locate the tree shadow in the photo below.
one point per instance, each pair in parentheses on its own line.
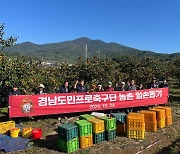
(51,143)
(121,134)
(171,149)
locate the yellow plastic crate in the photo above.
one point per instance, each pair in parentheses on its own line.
(121,128)
(135,121)
(6,126)
(97,125)
(138,134)
(168,111)
(151,126)
(160,114)
(27,132)
(86,141)
(14,132)
(169,120)
(161,123)
(149,116)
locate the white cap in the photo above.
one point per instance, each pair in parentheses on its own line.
(122,82)
(41,86)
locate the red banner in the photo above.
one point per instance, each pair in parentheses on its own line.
(46,104)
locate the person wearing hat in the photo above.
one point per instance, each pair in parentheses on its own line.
(122,87)
(153,84)
(14,91)
(109,87)
(41,90)
(99,88)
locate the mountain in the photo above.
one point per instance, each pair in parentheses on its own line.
(71,50)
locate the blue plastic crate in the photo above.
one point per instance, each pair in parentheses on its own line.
(120,117)
(98,137)
(110,135)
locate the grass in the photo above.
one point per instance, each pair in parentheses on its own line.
(174,100)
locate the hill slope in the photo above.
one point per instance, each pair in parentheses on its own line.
(71,50)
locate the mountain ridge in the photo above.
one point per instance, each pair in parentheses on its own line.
(72,49)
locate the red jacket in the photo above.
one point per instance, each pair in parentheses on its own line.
(109,89)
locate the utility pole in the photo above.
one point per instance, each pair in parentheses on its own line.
(86,51)
(67,61)
(98,53)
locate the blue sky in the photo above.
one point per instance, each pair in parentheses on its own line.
(143,24)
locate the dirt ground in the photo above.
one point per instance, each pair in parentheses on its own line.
(166,140)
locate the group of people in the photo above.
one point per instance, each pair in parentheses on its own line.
(80,86)
(132,86)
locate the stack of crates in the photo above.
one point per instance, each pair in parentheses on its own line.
(110,127)
(150,120)
(98,130)
(135,125)
(160,116)
(168,112)
(86,117)
(68,140)
(120,122)
(85,133)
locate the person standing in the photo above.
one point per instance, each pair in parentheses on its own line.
(41,90)
(109,87)
(64,88)
(117,87)
(163,84)
(153,84)
(80,86)
(99,88)
(127,86)
(132,85)
(14,91)
(122,86)
(140,87)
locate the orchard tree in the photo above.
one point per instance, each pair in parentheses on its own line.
(176,69)
(6,42)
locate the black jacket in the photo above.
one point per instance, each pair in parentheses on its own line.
(162,85)
(81,88)
(64,89)
(153,85)
(14,93)
(43,91)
